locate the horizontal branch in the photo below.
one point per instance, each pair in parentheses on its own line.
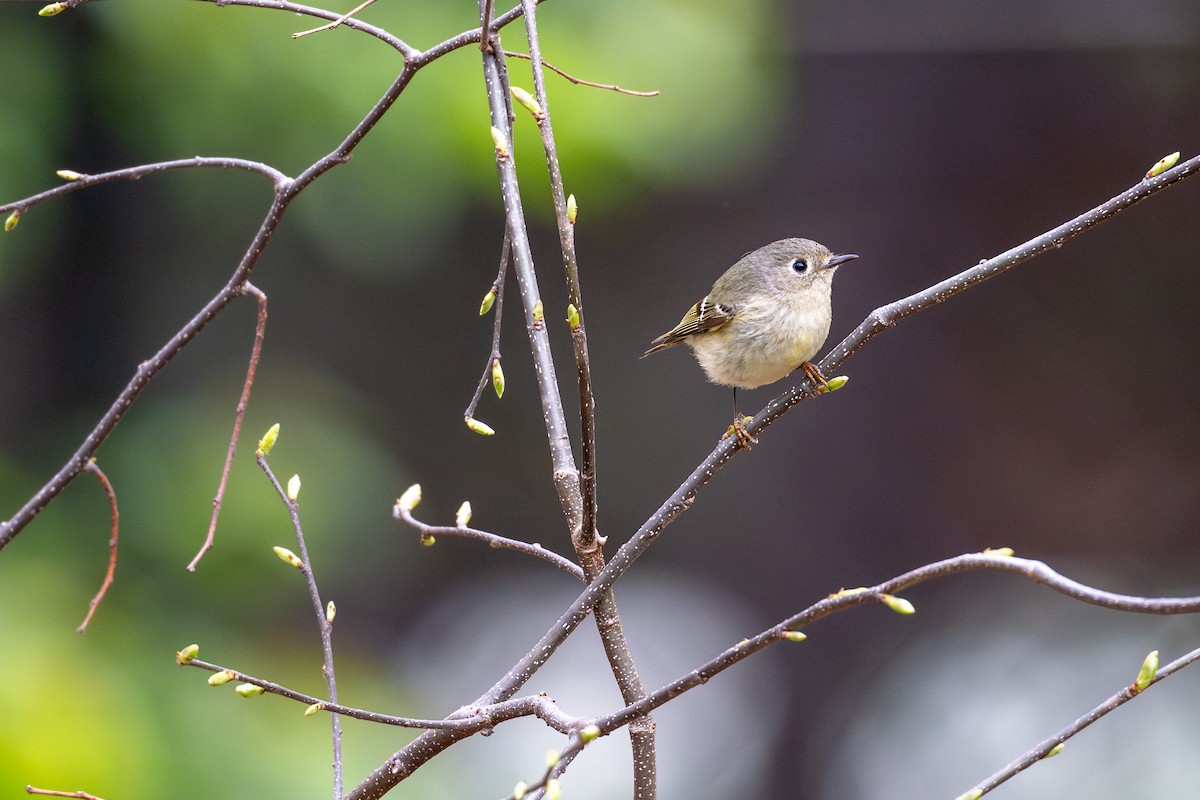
(470,719)
(493,540)
(1036,571)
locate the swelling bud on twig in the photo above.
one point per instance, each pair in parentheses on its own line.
(573,316)
(52,9)
(268,440)
(1058,748)
(589,733)
(1003,552)
(488,300)
(412,495)
(249,690)
(898,604)
(188,653)
(1147,672)
(537,313)
(428,540)
(481,428)
(1163,165)
(553,789)
(330,612)
(314,708)
(572,209)
(288,557)
(293,488)
(69,174)
(464,514)
(220,678)
(519,790)
(833,384)
(528,101)
(497,378)
(552,757)
(500,142)
(974,794)
(12,221)
(795,636)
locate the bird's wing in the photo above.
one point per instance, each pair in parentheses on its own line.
(704,316)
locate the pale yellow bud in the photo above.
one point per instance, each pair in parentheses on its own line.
(501,143)
(488,300)
(69,174)
(898,604)
(589,733)
(572,209)
(188,653)
(288,557)
(1163,165)
(464,514)
(795,636)
(498,378)
(412,495)
(220,678)
(528,101)
(12,220)
(330,612)
(249,690)
(314,708)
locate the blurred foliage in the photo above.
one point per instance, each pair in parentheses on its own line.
(241,86)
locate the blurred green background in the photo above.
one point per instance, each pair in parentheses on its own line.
(1052,410)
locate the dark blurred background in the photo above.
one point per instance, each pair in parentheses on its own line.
(1051,410)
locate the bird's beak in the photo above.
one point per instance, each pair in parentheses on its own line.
(842,259)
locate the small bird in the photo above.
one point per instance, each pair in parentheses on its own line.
(764,318)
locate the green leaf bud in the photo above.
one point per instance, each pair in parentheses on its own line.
(12,221)
(1147,672)
(52,9)
(268,440)
(330,612)
(481,428)
(795,636)
(573,316)
(589,733)
(293,488)
(572,209)
(464,514)
(314,708)
(497,377)
(488,300)
(69,174)
(501,143)
(188,653)
(249,690)
(537,313)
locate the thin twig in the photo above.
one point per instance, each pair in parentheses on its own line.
(493,540)
(112,541)
(1041,750)
(239,415)
(485,24)
(469,719)
(335,23)
(324,623)
(580,81)
(54,793)
(498,309)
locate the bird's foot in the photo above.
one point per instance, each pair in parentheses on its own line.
(814,374)
(738,431)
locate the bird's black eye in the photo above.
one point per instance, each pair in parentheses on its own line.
(800,266)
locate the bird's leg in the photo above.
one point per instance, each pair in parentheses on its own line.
(738,428)
(814,374)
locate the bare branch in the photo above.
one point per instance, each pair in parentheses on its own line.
(337,22)
(581,82)
(493,540)
(239,415)
(112,541)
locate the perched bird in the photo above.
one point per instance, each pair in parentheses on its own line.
(765,317)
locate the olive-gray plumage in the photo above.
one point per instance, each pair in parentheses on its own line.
(766,316)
